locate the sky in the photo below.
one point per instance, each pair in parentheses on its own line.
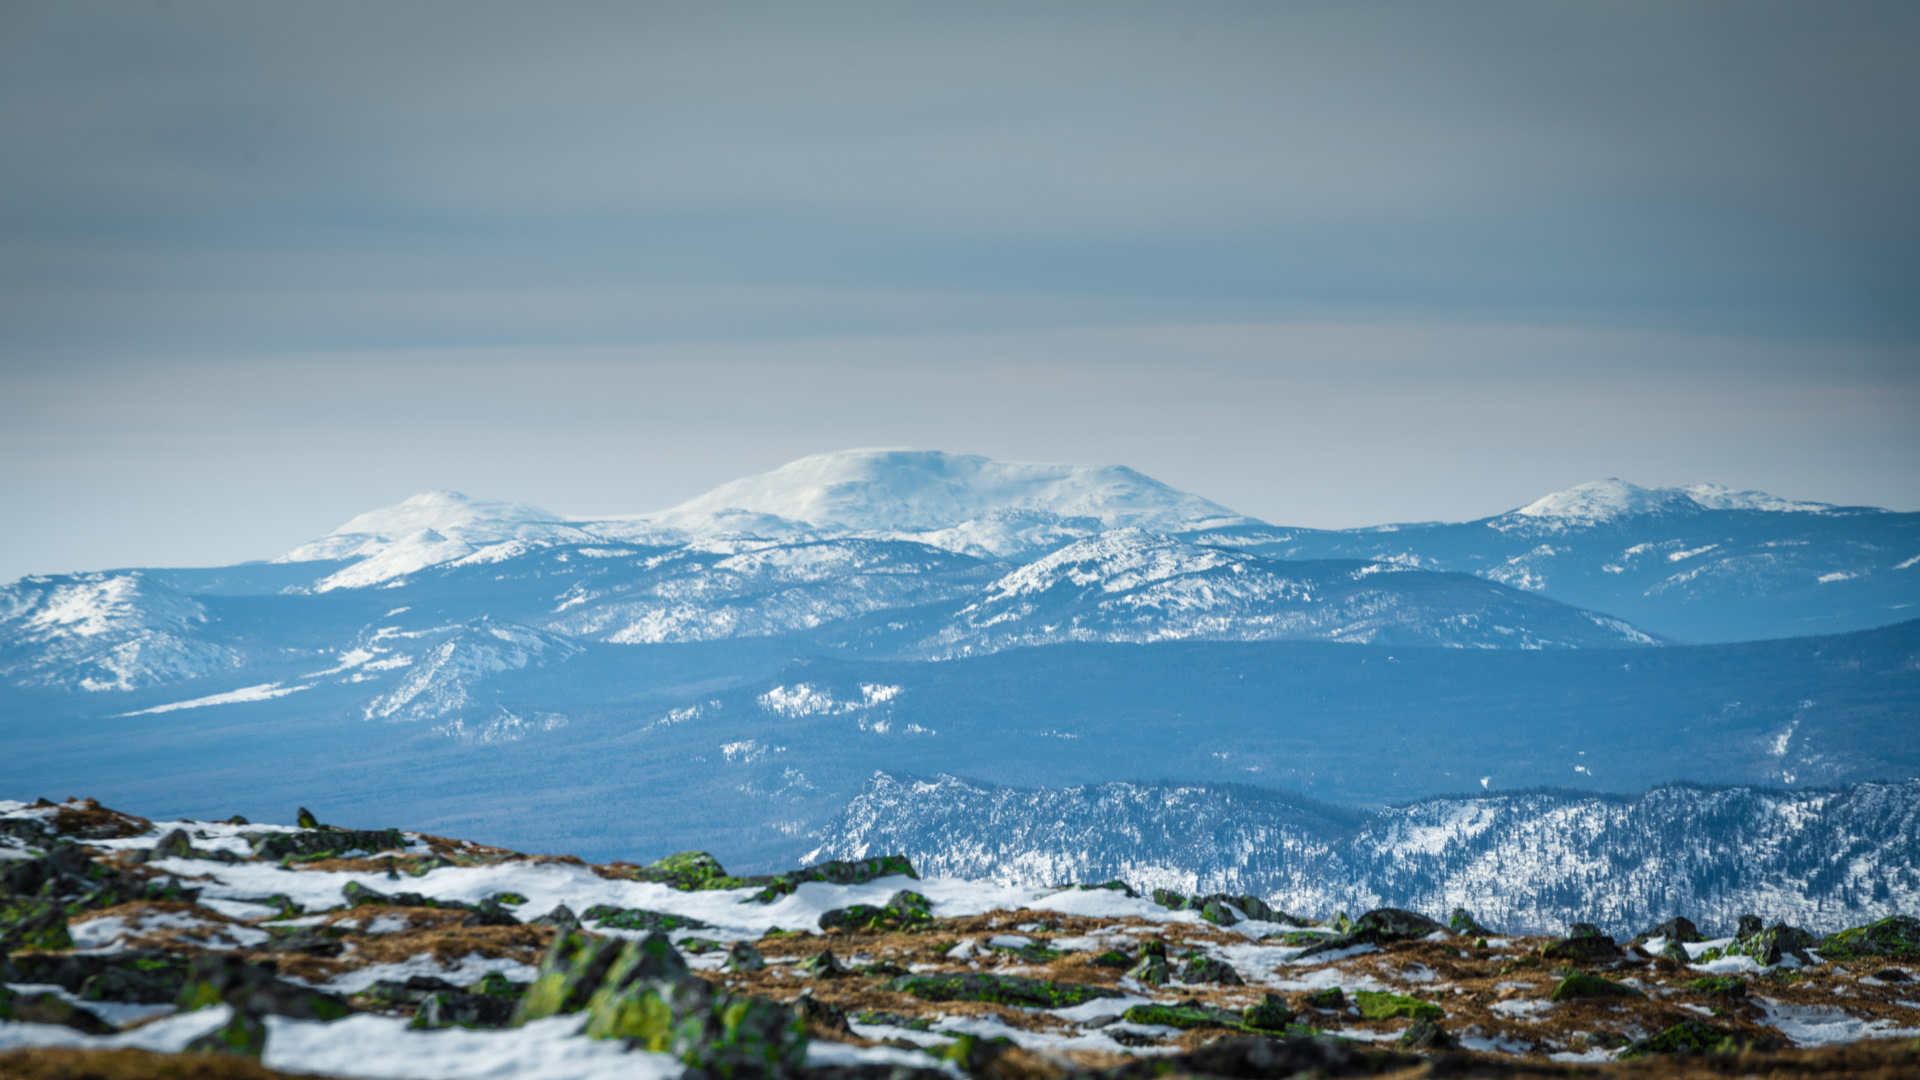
(264,266)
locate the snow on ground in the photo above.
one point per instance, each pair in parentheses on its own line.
(263,692)
(1818,1025)
(383,1048)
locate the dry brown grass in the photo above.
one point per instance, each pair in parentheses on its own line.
(65,1063)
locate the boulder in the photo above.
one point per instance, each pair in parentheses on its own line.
(823,965)
(1577,986)
(454,1008)
(49,1009)
(1205,969)
(1680,929)
(650,999)
(743,957)
(1584,943)
(574,967)
(253,989)
(1382,926)
(999,989)
(1894,937)
(905,910)
(1428,1036)
(324,843)
(1384,1006)
(1777,942)
(1463,924)
(1270,1013)
(639,919)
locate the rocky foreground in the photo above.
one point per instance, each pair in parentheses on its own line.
(226,949)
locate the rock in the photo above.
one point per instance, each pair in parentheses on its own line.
(174,845)
(1891,975)
(1894,937)
(305,819)
(905,910)
(650,999)
(1186,1016)
(1426,1035)
(561,918)
(49,1009)
(574,967)
(1577,986)
(743,957)
(821,1017)
(1382,926)
(1205,969)
(1169,899)
(1679,930)
(1769,946)
(999,989)
(1330,998)
(1735,989)
(1749,926)
(1112,959)
(1261,1058)
(1584,943)
(146,979)
(253,989)
(639,919)
(1673,951)
(452,1008)
(687,871)
(1686,1037)
(1151,969)
(311,940)
(1463,924)
(824,965)
(834,872)
(1270,1013)
(33,924)
(324,843)
(1384,1006)
(494,984)
(414,990)
(242,1036)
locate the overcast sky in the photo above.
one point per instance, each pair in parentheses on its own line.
(266,265)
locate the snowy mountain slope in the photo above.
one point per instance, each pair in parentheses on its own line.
(436,517)
(105,632)
(1130,585)
(1823,859)
(910,491)
(1697,564)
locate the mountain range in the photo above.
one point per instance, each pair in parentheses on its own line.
(491,668)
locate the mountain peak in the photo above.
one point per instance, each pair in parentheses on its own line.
(1607,500)
(437,517)
(911,490)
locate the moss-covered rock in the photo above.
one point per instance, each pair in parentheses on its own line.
(999,989)
(834,872)
(619,918)
(1719,986)
(1577,986)
(324,843)
(1152,969)
(1894,937)
(1686,1037)
(743,957)
(49,1009)
(573,969)
(1427,1036)
(1778,942)
(704,1026)
(1330,998)
(1463,924)
(1384,1006)
(1169,899)
(1382,926)
(1205,969)
(1584,943)
(1185,1016)
(253,989)
(905,910)
(244,1035)
(1270,1013)
(822,965)
(452,1008)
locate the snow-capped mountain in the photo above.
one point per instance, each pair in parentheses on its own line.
(920,491)
(104,632)
(1700,563)
(1823,859)
(1131,585)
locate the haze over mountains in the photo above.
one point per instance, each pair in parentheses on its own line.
(761,651)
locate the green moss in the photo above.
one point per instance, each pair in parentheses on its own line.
(1719,985)
(512,899)
(1894,937)
(1112,959)
(1184,1017)
(1575,987)
(1686,1037)
(1383,1006)
(999,989)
